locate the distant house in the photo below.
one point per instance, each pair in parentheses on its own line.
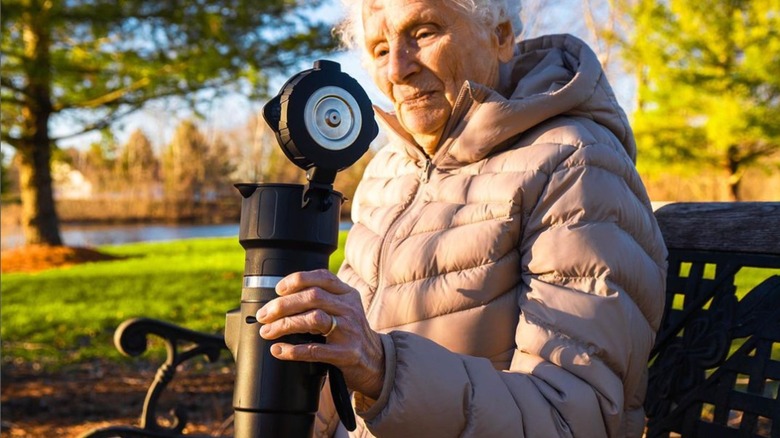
(70,183)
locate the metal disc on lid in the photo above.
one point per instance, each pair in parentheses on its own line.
(332,118)
(322,118)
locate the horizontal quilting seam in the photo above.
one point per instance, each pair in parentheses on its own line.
(363,224)
(449,227)
(549,175)
(560,278)
(470,268)
(472,176)
(583,222)
(462,172)
(465,171)
(563,167)
(582,345)
(476,203)
(465,309)
(586,222)
(383,179)
(573,341)
(564,338)
(646,251)
(611,280)
(481,202)
(557,276)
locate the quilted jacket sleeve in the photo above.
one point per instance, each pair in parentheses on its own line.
(591,301)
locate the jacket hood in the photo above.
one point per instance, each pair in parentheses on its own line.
(549,76)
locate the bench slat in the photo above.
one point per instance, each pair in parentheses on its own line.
(743,227)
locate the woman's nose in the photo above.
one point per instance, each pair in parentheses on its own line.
(403,63)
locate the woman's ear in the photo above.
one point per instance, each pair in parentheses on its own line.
(506,41)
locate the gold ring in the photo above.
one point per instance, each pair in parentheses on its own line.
(333,325)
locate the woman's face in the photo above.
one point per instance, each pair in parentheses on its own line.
(420,53)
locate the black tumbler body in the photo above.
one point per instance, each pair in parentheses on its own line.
(281,234)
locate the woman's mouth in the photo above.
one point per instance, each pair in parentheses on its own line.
(417,98)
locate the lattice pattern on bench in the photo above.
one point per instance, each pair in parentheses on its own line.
(713,372)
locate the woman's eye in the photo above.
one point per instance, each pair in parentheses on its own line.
(423,34)
(380,49)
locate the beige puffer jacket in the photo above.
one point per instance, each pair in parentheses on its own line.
(518,275)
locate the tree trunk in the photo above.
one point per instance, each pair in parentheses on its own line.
(734,183)
(40,223)
(39,218)
(734,170)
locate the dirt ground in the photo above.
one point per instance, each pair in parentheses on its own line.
(76,400)
(71,403)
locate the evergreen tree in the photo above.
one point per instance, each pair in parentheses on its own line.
(95,61)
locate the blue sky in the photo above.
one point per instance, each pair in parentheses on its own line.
(158,120)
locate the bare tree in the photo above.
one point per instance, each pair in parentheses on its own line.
(250,147)
(184,164)
(138,166)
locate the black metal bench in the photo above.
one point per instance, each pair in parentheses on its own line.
(715,369)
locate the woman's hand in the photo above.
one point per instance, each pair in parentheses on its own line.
(310,302)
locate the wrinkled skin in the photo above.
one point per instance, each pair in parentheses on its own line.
(307,302)
(421,53)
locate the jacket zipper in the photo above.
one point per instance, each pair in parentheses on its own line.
(425,176)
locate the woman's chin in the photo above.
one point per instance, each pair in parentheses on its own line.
(424,121)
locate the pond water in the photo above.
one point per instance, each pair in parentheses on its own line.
(96,235)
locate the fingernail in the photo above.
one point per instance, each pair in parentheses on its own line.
(260,314)
(276,349)
(264,330)
(281,287)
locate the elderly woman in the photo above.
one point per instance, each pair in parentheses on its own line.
(505,274)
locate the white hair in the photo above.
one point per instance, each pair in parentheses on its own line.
(489,12)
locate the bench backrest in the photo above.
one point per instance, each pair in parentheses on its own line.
(715,369)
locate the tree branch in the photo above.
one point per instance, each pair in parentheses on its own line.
(115,95)
(5,82)
(118,113)
(13,100)
(6,137)
(102,123)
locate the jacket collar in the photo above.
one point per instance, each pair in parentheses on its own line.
(549,76)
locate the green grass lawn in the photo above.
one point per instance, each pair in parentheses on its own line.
(69,315)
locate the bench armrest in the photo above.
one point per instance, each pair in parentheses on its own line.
(131,339)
